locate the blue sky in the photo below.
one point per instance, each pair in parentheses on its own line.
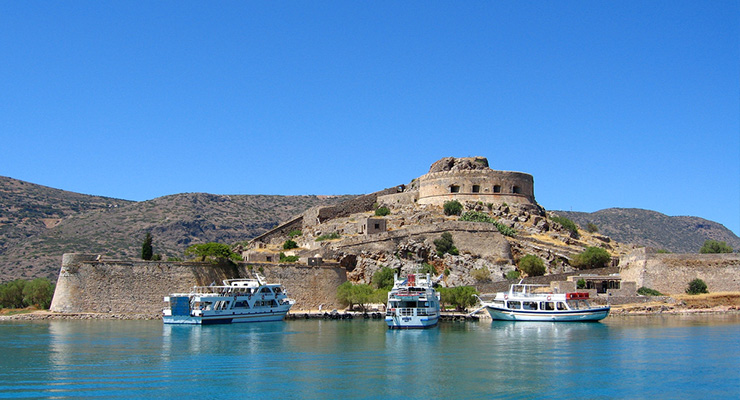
(606,104)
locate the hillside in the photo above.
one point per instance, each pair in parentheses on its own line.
(38,224)
(681,234)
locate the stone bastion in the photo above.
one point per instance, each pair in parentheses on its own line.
(471,179)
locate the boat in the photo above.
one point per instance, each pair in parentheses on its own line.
(237,300)
(529,302)
(412,303)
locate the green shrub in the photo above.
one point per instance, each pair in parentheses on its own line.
(532,265)
(452,207)
(445,245)
(290,244)
(476,216)
(382,211)
(592,257)
(569,225)
(715,247)
(662,251)
(697,286)
(383,278)
(288,259)
(513,275)
(295,233)
(581,284)
(328,236)
(505,230)
(427,268)
(447,272)
(481,274)
(592,228)
(648,292)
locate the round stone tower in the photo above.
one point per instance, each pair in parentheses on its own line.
(471,179)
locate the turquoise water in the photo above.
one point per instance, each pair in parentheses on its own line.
(627,357)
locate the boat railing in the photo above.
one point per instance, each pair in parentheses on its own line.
(409,312)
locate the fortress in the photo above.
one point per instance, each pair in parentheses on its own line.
(360,243)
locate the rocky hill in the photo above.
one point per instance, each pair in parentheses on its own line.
(38,224)
(647,228)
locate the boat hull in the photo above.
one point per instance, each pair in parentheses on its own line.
(504,314)
(223,319)
(404,322)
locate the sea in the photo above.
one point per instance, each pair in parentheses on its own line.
(632,357)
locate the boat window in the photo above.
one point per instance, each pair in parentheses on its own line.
(573,304)
(561,306)
(547,305)
(265,290)
(514,305)
(530,305)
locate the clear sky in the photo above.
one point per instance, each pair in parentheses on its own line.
(606,103)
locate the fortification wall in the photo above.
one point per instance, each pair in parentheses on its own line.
(484,185)
(671,273)
(87,284)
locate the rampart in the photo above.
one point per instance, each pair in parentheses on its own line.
(88,284)
(671,273)
(317,215)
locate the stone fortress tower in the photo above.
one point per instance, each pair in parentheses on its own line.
(470,179)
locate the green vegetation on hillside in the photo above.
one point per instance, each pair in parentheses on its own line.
(569,225)
(445,245)
(147,251)
(382,211)
(532,265)
(648,292)
(477,216)
(715,247)
(452,207)
(592,257)
(383,278)
(328,236)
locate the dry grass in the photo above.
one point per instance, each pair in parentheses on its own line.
(708,300)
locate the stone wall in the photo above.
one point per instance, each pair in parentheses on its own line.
(88,284)
(671,273)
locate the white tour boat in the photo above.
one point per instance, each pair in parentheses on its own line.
(526,302)
(237,300)
(412,303)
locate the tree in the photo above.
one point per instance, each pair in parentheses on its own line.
(290,244)
(383,278)
(592,228)
(532,265)
(11,294)
(715,247)
(349,294)
(39,293)
(592,257)
(697,286)
(147,251)
(452,207)
(460,297)
(445,245)
(215,252)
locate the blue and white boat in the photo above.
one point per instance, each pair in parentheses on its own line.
(412,303)
(237,300)
(527,302)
